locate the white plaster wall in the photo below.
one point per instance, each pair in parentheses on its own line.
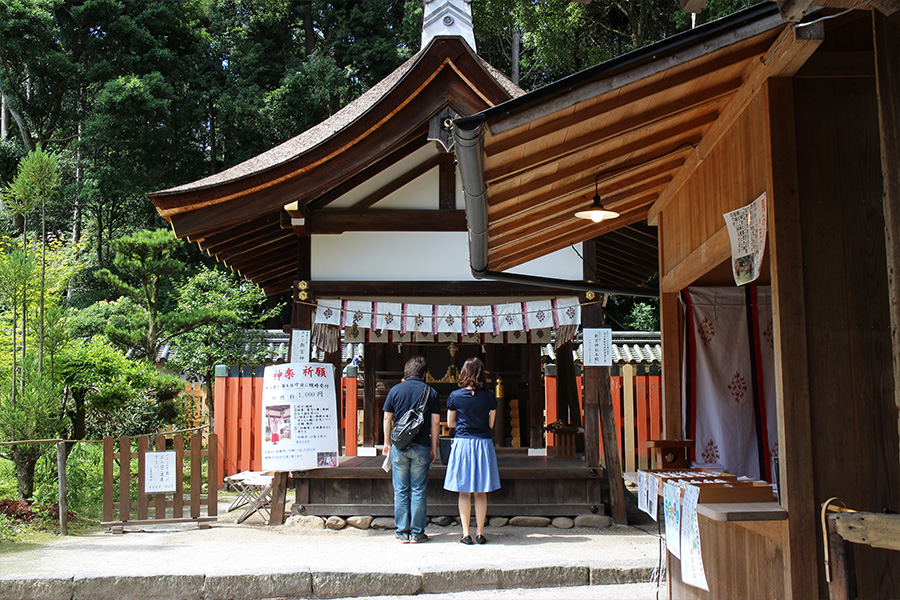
(417,256)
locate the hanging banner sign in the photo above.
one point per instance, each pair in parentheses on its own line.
(159,472)
(597,347)
(747,231)
(299,418)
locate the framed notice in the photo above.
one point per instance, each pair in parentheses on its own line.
(299,417)
(597,344)
(159,472)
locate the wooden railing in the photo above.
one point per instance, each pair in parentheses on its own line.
(134,490)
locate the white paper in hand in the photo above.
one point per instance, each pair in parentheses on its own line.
(386,465)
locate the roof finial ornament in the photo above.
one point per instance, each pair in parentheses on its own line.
(448,17)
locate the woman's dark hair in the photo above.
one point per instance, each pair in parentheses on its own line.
(472,374)
(416,367)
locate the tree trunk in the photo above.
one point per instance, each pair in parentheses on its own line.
(210,400)
(309,33)
(514,70)
(4,118)
(213,149)
(25,458)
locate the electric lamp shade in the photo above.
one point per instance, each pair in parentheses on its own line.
(596,212)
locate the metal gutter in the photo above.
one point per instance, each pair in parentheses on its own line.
(468,135)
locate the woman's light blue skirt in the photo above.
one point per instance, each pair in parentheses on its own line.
(472,466)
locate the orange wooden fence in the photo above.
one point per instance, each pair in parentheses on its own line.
(636,400)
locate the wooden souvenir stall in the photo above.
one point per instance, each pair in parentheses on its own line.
(367,207)
(683,132)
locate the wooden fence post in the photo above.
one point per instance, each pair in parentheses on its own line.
(61,475)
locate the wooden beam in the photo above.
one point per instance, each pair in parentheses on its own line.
(238,231)
(398,183)
(257,247)
(887,52)
(784,58)
(870,529)
(340,220)
(798,495)
(558,237)
(651,142)
(630,74)
(793,10)
(709,254)
(412,289)
(538,221)
(624,177)
(683,108)
(447,183)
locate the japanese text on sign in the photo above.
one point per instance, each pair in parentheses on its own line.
(159,472)
(597,347)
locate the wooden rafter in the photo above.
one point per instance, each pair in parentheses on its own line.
(582,138)
(656,141)
(559,237)
(785,56)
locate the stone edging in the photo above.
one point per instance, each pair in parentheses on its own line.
(306,584)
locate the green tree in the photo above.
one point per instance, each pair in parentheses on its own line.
(147,316)
(106,393)
(200,350)
(30,412)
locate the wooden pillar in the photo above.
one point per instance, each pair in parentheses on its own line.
(535,410)
(551,413)
(791,361)
(887,77)
(567,407)
(371,356)
(670,330)
(351,423)
(591,318)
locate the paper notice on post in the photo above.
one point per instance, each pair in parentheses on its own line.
(747,231)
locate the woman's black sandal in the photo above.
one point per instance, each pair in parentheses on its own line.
(480,539)
(467,540)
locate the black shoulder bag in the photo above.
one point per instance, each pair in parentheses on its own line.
(408,426)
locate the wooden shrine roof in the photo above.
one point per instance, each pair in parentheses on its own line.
(239,215)
(636,127)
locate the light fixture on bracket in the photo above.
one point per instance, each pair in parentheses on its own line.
(596,212)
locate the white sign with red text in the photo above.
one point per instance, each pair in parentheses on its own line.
(299,419)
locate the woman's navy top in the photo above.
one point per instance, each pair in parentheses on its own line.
(473,412)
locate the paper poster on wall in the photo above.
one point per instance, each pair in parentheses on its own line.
(672,511)
(159,472)
(692,572)
(597,345)
(298,416)
(747,231)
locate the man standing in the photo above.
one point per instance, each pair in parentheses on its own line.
(410,467)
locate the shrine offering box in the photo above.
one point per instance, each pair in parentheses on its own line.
(717,487)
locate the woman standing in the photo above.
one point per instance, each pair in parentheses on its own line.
(472,467)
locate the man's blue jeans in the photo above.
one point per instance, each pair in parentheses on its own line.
(409,470)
